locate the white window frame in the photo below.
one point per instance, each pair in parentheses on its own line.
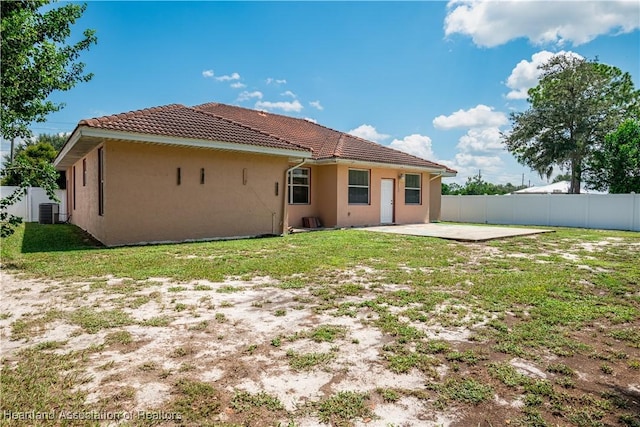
(419,189)
(368,187)
(307,185)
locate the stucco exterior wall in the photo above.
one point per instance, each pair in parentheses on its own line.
(322,198)
(84,212)
(145,203)
(359,215)
(435,197)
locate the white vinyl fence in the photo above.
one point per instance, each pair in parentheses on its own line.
(604,211)
(29,207)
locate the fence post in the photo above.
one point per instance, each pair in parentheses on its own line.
(634,214)
(28,204)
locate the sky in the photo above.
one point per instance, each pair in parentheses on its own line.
(435,79)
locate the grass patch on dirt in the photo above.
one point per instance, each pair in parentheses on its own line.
(42,382)
(343,408)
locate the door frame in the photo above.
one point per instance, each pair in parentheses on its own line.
(393,200)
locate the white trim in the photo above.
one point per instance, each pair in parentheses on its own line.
(85,131)
(67,147)
(365,164)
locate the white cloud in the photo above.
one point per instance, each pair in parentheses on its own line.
(477,117)
(369,133)
(492,23)
(226,78)
(526,74)
(416,144)
(238,85)
(475,162)
(276,81)
(289,93)
(233,76)
(487,139)
(293,106)
(316,105)
(309,119)
(245,96)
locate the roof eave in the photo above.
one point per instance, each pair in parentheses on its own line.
(335,161)
(71,151)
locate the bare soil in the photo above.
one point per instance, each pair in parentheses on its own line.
(223,334)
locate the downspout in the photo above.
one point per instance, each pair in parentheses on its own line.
(285,204)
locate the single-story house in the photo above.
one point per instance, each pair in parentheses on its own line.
(176,173)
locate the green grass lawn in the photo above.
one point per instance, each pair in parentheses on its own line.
(562,300)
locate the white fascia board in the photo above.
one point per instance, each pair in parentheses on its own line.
(73,139)
(441,171)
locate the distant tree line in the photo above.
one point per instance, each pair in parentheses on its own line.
(475,185)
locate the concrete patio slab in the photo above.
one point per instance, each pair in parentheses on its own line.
(463,233)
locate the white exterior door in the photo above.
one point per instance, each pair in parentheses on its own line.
(386,201)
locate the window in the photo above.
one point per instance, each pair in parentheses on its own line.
(100,181)
(299,185)
(358,187)
(178,176)
(74,188)
(412,189)
(84,172)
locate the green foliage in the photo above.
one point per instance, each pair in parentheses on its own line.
(575,105)
(344,407)
(562,177)
(616,165)
(37,156)
(36,61)
(475,185)
(43,175)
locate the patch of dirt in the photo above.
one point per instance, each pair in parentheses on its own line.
(238,336)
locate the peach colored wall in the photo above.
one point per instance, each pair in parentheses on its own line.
(323,198)
(435,199)
(358,215)
(144,203)
(85,211)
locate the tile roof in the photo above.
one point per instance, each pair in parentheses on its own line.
(325,143)
(227,123)
(179,121)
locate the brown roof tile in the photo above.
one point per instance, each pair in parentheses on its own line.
(326,143)
(176,120)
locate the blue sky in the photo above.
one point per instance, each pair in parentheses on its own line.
(435,79)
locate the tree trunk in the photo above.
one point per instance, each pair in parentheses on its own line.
(576,172)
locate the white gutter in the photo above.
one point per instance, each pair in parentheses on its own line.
(285,205)
(436,176)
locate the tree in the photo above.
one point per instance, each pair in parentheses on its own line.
(562,177)
(45,147)
(475,185)
(43,175)
(36,62)
(616,166)
(36,155)
(575,105)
